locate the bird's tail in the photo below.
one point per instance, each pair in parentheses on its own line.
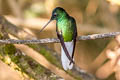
(65,61)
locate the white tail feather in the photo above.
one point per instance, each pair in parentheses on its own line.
(65,61)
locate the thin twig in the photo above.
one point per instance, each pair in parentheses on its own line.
(56,40)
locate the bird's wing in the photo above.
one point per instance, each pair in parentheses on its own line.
(63,45)
(74,35)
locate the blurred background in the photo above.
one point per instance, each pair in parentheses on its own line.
(92,17)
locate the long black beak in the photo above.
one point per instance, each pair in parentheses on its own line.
(45,25)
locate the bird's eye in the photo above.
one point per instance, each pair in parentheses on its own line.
(55,15)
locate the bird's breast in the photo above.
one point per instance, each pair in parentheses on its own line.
(64,27)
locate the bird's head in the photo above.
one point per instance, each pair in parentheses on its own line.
(57,13)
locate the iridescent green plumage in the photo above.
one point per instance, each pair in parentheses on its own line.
(67,27)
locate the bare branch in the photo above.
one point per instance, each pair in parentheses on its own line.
(56,40)
(98,36)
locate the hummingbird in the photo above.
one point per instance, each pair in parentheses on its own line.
(66,32)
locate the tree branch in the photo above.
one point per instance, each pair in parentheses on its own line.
(56,40)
